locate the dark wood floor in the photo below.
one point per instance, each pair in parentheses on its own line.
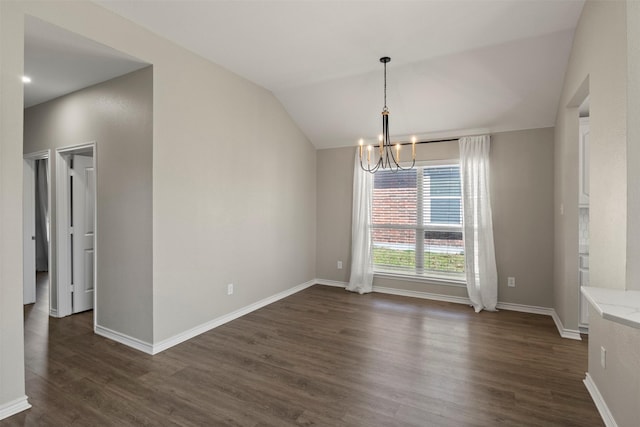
(321,357)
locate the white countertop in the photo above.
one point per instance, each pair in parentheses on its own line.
(616,305)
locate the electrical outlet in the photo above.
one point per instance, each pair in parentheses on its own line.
(603,357)
(230,289)
(339,265)
(511,282)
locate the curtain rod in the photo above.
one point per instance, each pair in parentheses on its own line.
(428,142)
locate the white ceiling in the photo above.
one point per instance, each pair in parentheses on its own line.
(60,62)
(456,65)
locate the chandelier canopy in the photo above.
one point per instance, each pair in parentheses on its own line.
(385,157)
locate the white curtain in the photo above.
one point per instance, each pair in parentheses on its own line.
(361,280)
(480,258)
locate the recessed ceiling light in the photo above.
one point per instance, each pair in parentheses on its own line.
(26,79)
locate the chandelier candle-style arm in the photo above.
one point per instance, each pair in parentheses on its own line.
(386,158)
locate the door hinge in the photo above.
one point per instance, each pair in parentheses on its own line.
(73,288)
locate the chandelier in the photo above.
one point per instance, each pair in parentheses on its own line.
(385,157)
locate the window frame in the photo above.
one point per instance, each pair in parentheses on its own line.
(426,276)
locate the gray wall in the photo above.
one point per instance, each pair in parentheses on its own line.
(11,308)
(602,56)
(234,194)
(619,381)
(117,115)
(522,203)
(233,179)
(633,146)
(598,57)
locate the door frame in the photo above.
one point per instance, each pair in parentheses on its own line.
(63,252)
(29,216)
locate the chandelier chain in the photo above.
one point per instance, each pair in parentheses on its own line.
(385,86)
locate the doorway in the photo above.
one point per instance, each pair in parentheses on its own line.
(583,210)
(36,225)
(75,228)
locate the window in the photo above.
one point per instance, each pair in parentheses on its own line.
(417,222)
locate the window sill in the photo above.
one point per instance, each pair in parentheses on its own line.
(434,280)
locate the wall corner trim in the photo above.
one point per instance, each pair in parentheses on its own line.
(121,338)
(572,334)
(603,409)
(11,408)
(207,326)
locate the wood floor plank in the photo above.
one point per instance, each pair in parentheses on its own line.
(321,357)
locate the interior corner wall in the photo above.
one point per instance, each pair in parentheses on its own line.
(522,204)
(11,308)
(599,54)
(117,115)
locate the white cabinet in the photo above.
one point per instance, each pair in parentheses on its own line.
(583,167)
(584,281)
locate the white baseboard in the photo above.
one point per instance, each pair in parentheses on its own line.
(533,309)
(446,298)
(401,292)
(547,311)
(186,335)
(11,408)
(333,283)
(572,334)
(195,331)
(422,295)
(605,413)
(127,340)
(53,312)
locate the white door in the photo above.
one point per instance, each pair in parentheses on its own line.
(29,232)
(82,226)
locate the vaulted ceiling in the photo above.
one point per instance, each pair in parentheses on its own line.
(60,62)
(457,66)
